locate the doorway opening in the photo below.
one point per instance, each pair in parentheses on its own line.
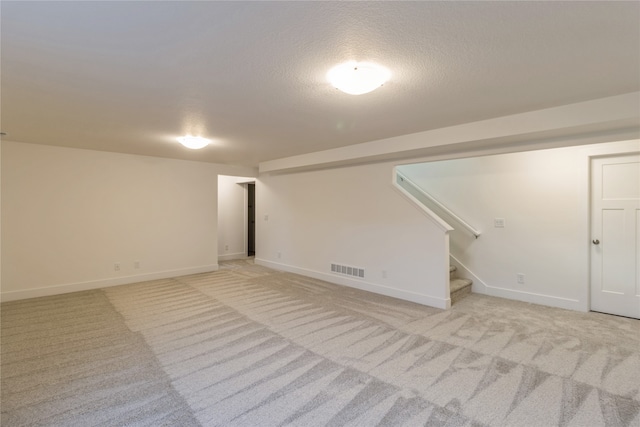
(251,219)
(236,217)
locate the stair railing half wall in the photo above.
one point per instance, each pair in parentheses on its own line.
(439,222)
(425,198)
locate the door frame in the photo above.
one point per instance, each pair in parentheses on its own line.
(590,158)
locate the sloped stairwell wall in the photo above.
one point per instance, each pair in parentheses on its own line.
(542,198)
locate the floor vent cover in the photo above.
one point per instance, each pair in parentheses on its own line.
(347,270)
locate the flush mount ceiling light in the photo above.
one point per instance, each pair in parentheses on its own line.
(193,142)
(356,78)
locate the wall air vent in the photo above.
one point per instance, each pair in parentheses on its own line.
(347,271)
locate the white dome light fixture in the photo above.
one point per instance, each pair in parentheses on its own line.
(193,142)
(356,78)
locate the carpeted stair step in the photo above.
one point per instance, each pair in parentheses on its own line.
(458,288)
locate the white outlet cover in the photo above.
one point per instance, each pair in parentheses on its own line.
(498,222)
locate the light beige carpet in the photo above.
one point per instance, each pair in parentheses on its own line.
(249,346)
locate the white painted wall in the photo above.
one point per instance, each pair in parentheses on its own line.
(544,198)
(352,216)
(232,217)
(68,215)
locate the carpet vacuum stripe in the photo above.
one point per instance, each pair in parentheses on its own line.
(250,346)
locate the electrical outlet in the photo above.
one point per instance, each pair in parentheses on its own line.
(279,254)
(384,274)
(520,278)
(116,266)
(136,265)
(226,247)
(498,222)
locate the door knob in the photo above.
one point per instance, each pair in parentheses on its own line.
(596,242)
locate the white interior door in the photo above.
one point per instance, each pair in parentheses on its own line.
(615,235)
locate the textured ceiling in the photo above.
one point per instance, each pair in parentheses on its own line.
(131,76)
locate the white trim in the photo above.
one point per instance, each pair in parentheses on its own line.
(479,286)
(431,301)
(442,224)
(622,148)
(102,283)
(231,257)
(534,298)
(465,224)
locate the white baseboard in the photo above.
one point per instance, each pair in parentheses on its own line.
(360,284)
(534,298)
(479,286)
(102,283)
(231,257)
